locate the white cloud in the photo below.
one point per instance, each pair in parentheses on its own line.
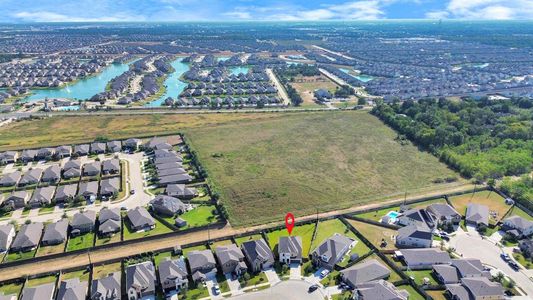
(46,16)
(485,9)
(243,15)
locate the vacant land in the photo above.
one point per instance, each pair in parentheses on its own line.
(491,199)
(306,85)
(301,162)
(375,234)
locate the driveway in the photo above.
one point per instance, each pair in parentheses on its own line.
(210,283)
(472,245)
(272,276)
(286,290)
(234,285)
(295,271)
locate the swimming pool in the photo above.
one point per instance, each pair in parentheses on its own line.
(393,215)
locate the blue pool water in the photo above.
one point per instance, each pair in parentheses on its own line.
(173,83)
(68,108)
(393,215)
(239,70)
(362,77)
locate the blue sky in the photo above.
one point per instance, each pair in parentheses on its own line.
(251,10)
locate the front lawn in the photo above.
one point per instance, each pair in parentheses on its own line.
(526,263)
(47,209)
(160,228)
(255,279)
(331,279)
(222,283)
(83,241)
(303,231)
(194,292)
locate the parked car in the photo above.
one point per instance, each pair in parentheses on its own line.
(505,256)
(132,192)
(312,288)
(324,273)
(514,265)
(216,289)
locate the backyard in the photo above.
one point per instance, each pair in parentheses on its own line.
(304,231)
(160,228)
(83,241)
(493,200)
(100,271)
(46,250)
(375,234)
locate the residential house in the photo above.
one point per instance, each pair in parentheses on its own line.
(45,153)
(72,289)
(290,249)
(42,196)
(231,259)
(181,191)
(331,251)
(475,288)
(140,280)
(154,142)
(83,222)
(178,178)
(92,169)
(65,193)
(55,233)
(114,146)
(131,144)
(82,150)
(111,166)
(17,199)
(109,187)
(258,255)
(10,179)
(169,165)
(28,155)
(32,176)
(63,151)
(40,292)
(169,159)
(370,270)
(423,258)
(109,221)
(202,264)
(522,225)
(98,148)
(168,206)
(414,236)
(7,233)
(460,268)
(444,214)
(72,169)
(8,157)
(173,274)
(106,288)
(418,217)
(170,172)
(477,214)
(379,290)
(140,219)
(88,189)
(27,238)
(52,174)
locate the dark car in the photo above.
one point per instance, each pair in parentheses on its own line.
(312,288)
(514,265)
(132,192)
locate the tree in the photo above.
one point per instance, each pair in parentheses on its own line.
(361,101)
(246,277)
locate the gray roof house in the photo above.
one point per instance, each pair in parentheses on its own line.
(526,246)
(55,233)
(64,193)
(17,199)
(83,222)
(202,264)
(444,213)
(181,191)
(524,226)
(140,219)
(63,151)
(166,205)
(109,186)
(27,238)
(98,148)
(92,169)
(8,157)
(88,189)
(414,236)
(42,196)
(140,280)
(417,217)
(40,292)
(331,251)
(109,221)
(45,153)
(379,290)
(169,165)
(32,176)
(475,288)
(169,159)
(82,150)
(231,259)
(107,288)
(446,274)
(51,174)
(28,155)
(72,169)
(10,179)
(424,258)
(111,166)
(131,144)
(178,178)
(290,249)
(171,171)
(370,270)
(7,233)
(72,289)
(477,214)
(173,274)
(114,146)
(258,255)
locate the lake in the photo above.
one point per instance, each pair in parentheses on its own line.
(173,83)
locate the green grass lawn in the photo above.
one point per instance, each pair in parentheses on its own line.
(11,289)
(200,216)
(83,275)
(331,279)
(243,239)
(40,280)
(303,231)
(19,256)
(199,247)
(301,162)
(360,249)
(517,211)
(83,241)
(419,276)
(526,263)
(46,250)
(375,234)
(220,243)
(46,209)
(100,271)
(327,228)
(255,279)
(413,294)
(197,292)
(160,228)
(222,283)
(107,240)
(494,201)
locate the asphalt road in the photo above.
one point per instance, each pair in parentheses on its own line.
(285,290)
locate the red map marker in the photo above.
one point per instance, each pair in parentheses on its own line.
(289,222)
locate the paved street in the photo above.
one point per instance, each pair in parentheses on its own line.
(285,290)
(471,245)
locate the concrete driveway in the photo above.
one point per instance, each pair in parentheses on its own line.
(234,285)
(472,245)
(272,276)
(286,290)
(295,271)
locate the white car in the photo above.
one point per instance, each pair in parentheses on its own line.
(216,289)
(324,273)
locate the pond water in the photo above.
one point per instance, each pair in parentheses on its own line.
(173,83)
(362,77)
(82,89)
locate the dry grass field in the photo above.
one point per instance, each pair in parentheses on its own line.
(307,162)
(494,201)
(311,83)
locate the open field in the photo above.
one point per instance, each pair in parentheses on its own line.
(73,129)
(491,199)
(375,234)
(301,162)
(309,84)
(304,231)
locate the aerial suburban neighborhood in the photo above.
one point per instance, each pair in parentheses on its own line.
(310,152)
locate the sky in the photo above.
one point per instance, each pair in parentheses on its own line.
(22,11)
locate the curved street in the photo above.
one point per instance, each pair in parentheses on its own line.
(293,289)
